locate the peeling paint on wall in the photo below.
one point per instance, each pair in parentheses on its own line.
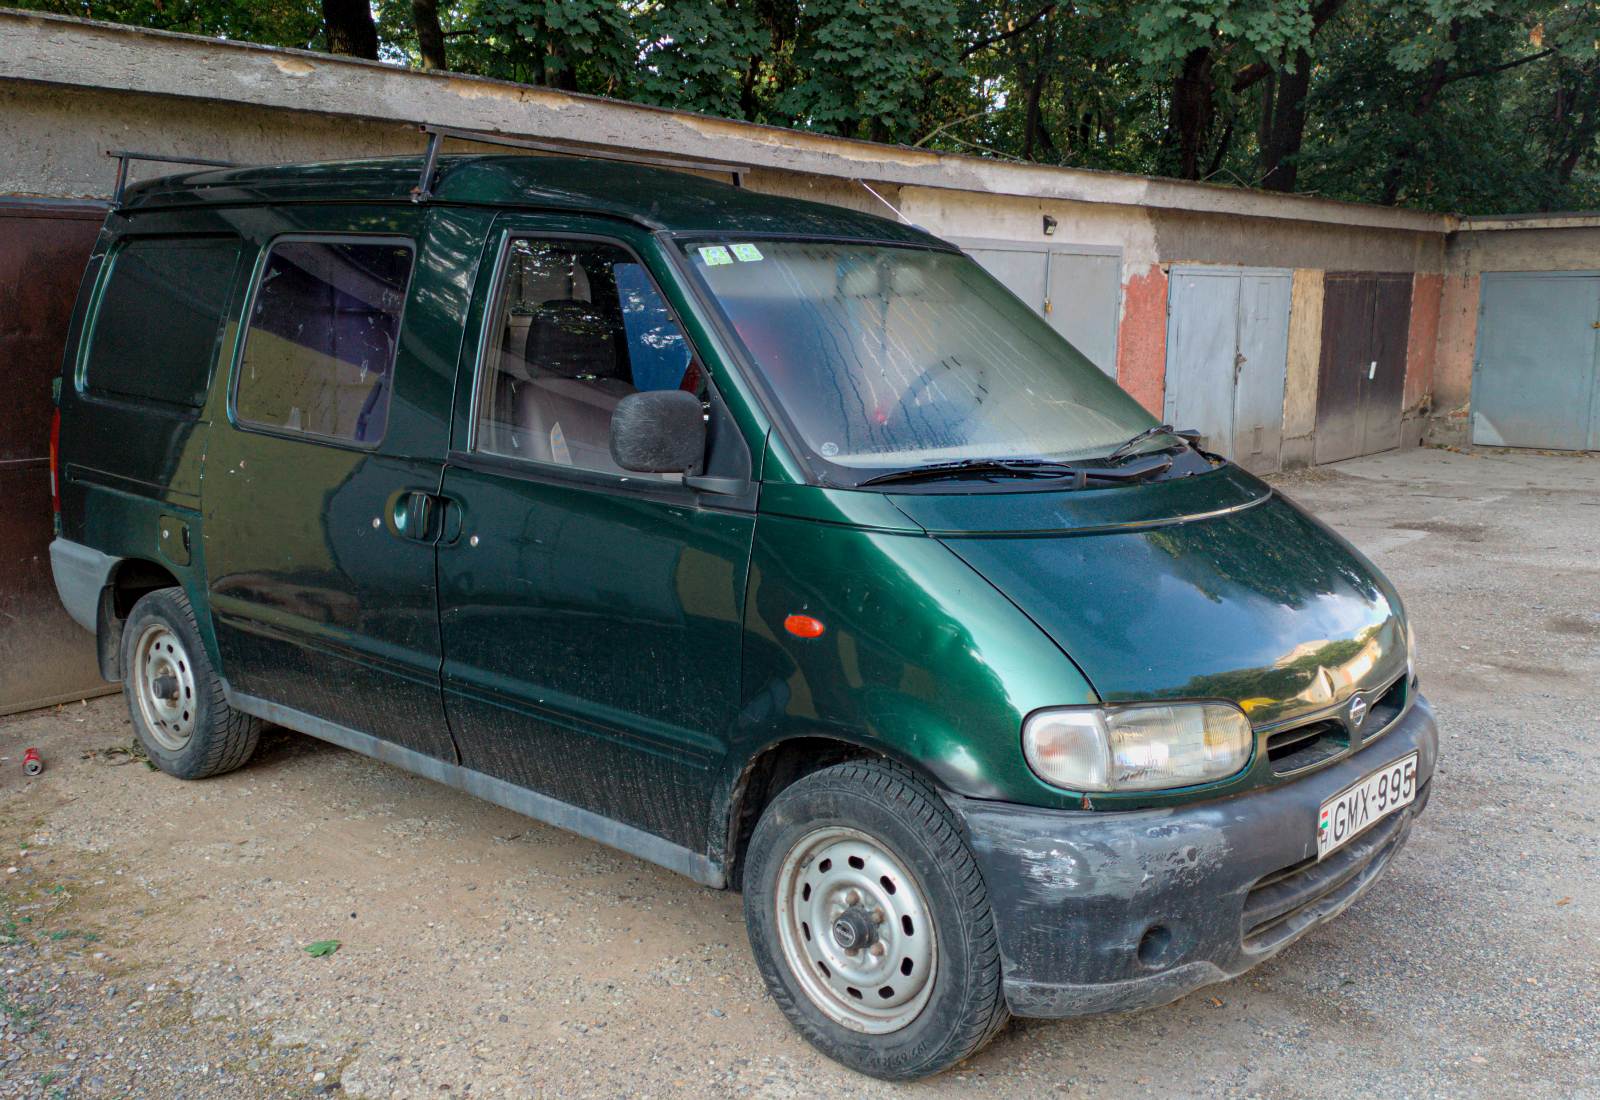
(1422,345)
(1142,338)
(1452,364)
(1305,352)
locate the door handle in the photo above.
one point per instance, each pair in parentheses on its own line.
(412,514)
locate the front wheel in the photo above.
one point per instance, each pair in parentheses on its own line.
(871,924)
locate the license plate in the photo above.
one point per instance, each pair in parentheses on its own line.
(1364,803)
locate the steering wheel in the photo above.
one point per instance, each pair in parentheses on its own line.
(961,407)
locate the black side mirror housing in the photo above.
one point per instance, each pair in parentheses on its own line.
(659,432)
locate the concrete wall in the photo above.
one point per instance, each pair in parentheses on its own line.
(1305,354)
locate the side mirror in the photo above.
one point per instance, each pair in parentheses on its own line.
(659,432)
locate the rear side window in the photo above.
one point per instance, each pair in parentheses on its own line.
(320,351)
(161,314)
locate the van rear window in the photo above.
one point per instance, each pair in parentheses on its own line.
(319,355)
(155,333)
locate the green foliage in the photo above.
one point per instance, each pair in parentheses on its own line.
(1167,31)
(1469,105)
(871,69)
(272,22)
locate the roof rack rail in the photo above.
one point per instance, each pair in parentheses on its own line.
(126,156)
(423,191)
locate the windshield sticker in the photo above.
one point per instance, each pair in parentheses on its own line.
(749,253)
(829,449)
(558,445)
(715,255)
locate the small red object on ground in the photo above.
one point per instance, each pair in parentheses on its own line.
(32,764)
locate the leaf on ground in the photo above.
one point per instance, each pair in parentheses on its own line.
(321,948)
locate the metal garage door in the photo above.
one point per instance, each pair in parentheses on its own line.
(44,656)
(1227,355)
(1366,321)
(1079,292)
(1534,383)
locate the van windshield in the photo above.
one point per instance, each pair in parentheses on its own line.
(886,357)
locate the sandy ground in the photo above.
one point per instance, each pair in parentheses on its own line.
(152,932)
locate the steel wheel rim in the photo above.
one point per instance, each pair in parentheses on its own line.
(163,682)
(836,876)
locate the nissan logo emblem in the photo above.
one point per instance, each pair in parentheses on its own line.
(1358,711)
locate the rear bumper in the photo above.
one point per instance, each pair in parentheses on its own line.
(80,573)
(1104,912)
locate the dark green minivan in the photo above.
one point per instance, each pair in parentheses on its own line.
(769,541)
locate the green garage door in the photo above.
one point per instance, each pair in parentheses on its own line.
(1534,383)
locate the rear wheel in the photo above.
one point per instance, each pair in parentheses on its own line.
(175,699)
(871,924)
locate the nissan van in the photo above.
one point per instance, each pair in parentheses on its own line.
(769,541)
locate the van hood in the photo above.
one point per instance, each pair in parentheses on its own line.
(1209,587)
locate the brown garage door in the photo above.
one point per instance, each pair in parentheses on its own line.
(44,244)
(1361,378)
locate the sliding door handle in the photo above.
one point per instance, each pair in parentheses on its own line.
(411,515)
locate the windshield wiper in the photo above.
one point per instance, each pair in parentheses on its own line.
(1128,446)
(978,467)
(1023,468)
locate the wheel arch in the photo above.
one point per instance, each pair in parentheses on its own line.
(777,765)
(129,581)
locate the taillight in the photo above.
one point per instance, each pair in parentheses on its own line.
(55,462)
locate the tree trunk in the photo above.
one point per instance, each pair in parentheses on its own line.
(1269,94)
(349,28)
(1193,105)
(430,36)
(1030,113)
(748,107)
(1287,126)
(1577,131)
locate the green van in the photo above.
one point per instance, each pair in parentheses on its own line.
(769,541)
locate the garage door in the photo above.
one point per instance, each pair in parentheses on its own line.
(1227,355)
(1366,320)
(1534,382)
(44,656)
(1078,292)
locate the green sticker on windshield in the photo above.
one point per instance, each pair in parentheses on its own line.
(715,254)
(749,253)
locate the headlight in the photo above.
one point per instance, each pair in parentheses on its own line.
(1136,748)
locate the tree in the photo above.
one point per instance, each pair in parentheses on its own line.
(349,28)
(430,35)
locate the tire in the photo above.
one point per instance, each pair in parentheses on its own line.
(838,834)
(175,700)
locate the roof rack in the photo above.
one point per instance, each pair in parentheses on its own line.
(126,156)
(423,191)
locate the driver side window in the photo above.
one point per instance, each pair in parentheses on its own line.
(578,326)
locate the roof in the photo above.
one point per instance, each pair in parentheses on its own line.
(653,197)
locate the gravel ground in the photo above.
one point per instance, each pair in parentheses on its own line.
(152,932)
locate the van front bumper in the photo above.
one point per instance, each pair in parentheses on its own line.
(1103,911)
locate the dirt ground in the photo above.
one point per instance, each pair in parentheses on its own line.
(153,932)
